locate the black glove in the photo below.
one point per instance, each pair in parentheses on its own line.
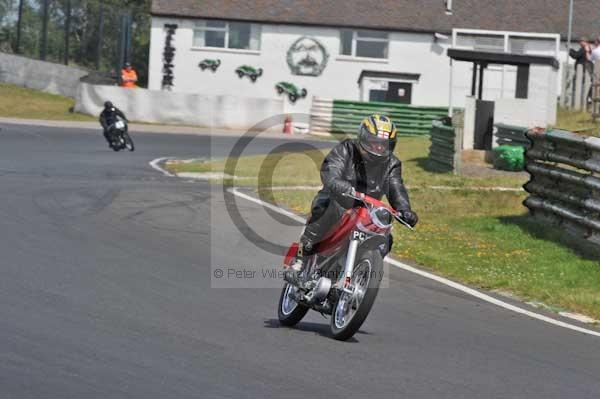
(410,217)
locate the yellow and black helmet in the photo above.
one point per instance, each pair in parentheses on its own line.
(377,135)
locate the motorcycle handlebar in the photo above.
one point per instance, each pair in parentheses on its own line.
(362,197)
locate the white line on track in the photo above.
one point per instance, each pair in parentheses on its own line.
(441,280)
(155,165)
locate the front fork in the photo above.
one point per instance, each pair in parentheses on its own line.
(350,260)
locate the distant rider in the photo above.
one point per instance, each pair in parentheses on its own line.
(108,117)
(364,165)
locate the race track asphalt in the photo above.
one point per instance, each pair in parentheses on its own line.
(107,290)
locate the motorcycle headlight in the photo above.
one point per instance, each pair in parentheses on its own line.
(382,217)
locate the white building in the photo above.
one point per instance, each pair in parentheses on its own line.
(343,49)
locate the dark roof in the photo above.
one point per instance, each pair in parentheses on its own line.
(542,16)
(487,57)
(388,75)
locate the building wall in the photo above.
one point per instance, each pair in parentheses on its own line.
(408,53)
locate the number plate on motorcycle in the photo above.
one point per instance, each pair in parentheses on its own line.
(359,235)
(120,125)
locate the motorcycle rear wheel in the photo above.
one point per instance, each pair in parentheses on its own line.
(289,311)
(351,311)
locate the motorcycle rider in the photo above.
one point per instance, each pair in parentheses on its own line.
(363,165)
(108,118)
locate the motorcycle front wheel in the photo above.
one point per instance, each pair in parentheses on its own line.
(289,311)
(351,310)
(116,147)
(128,141)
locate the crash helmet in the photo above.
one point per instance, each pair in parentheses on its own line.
(377,136)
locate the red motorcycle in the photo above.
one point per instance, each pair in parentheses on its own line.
(342,278)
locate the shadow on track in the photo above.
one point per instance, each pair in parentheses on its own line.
(317,328)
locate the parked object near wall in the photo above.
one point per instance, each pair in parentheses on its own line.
(510,158)
(444,152)
(220,112)
(343,117)
(40,75)
(563,187)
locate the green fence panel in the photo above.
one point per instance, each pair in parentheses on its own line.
(410,120)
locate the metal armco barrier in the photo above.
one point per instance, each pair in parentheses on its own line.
(511,135)
(563,188)
(343,117)
(444,156)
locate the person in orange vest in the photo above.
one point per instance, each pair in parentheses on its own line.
(129,77)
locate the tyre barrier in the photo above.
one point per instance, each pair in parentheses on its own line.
(511,135)
(563,189)
(444,156)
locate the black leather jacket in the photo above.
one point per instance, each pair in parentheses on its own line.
(108,117)
(344,168)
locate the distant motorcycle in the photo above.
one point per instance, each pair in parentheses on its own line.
(342,278)
(120,138)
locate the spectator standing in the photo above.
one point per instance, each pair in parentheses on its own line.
(129,77)
(583,55)
(596,51)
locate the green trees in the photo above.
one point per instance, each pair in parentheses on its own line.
(94,32)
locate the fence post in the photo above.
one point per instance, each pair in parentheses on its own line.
(579,74)
(596,92)
(587,87)
(458,122)
(565,85)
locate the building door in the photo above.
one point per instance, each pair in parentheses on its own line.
(399,92)
(484,125)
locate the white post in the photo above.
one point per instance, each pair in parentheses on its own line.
(587,86)
(579,73)
(450,102)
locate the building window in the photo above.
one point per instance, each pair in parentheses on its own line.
(364,43)
(223,34)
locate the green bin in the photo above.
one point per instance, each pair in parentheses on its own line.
(508,157)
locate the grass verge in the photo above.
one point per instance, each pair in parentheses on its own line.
(577,121)
(20,102)
(484,239)
(295,169)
